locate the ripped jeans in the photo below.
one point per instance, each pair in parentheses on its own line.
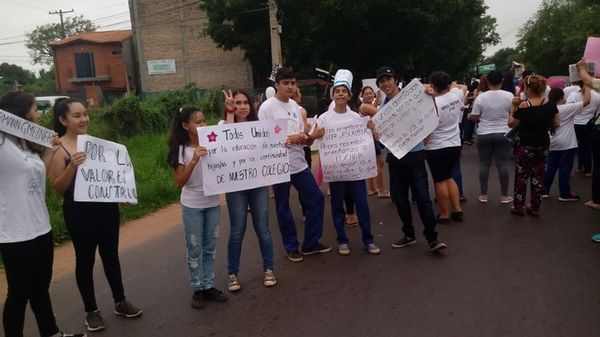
(201,226)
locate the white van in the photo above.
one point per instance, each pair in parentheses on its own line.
(45,103)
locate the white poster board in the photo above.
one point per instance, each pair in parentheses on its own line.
(158,67)
(106,175)
(406,119)
(22,128)
(245,155)
(347,152)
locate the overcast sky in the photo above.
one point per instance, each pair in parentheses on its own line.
(18,17)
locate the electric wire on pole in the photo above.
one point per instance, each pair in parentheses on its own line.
(62,24)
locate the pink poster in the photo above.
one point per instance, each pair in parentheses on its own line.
(592,51)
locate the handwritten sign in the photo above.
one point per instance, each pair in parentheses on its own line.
(242,156)
(106,175)
(406,119)
(347,152)
(22,128)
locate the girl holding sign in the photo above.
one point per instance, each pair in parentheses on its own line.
(92,225)
(26,243)
(238,110)
(200,213)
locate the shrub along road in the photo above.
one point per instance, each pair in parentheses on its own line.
(501,276)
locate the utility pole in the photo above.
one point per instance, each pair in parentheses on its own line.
(62,24)
(276,58)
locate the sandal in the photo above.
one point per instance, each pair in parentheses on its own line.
(592,204)
(384,194)
(371,192)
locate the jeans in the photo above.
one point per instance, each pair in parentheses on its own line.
(467,127)
(358,191)
(584,150)
(312,200)
(28,267)
(497,146)
(457,176)
(410,172)
(530,162)
(237,204)
(561,161)
(201,226)
(596,164)
(95,226)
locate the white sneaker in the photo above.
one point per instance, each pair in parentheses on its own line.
(343,249)
(270,279)
(234,283)
(483,198)
(506,199)
(373,249)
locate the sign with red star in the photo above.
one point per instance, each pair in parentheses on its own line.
(277,129)
(212,137)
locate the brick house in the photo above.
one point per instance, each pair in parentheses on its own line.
(95,65)
(172,51)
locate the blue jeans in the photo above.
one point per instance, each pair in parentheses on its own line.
(312,200)
(201,226)
(358,192)
(561,161)
(237,204)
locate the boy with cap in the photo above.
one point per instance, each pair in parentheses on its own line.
(340,114)
(281,106)
(405,173)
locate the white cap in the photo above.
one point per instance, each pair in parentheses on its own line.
(270,92)
(343,77)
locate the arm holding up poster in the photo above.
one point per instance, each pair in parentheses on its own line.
(406,119)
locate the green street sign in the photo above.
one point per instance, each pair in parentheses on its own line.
(485,68)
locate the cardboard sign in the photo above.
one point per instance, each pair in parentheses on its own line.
(245,155)
(106,175)
(406,119)
(347,152)
(22,128)
(574,72)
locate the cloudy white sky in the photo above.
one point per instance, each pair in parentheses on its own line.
(18,17)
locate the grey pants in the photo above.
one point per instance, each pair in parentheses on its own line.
(498,146)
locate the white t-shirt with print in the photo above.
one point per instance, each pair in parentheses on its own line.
(192,193)
(273,108)
(492,107)
(589,110)
(23,212)
(447,133)
(564,137)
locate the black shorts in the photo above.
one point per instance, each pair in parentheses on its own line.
(441,162)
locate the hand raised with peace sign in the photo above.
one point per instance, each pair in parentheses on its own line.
(229,103)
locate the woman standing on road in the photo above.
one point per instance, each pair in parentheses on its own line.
(239,110)
(92,225)
(26,243)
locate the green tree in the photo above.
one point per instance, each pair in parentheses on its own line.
(556,35)
(45,84)
(40,39)
(413,36)
(11,73)
(503,59)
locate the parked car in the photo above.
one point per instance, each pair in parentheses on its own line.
(45,103)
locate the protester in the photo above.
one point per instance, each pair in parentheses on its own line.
(490,110)
(595,122)
(91,225)
(26,242)
(508,84)
(563,144)
(443,145)
(583,130)
(368,96)
(535,118)
(281,106)
(200,212)
(482,86)
(239,110)
(407,172)
(467,126)
(341,115)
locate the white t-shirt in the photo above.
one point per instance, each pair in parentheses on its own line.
(447,133)
(23,212)
(570,89)
(192,193)
(276,109)
(492,107)
(331,117)
(564,138)
(589,110)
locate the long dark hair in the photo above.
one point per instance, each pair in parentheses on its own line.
(61,108)
(19,103)
(252,115)
(179,136)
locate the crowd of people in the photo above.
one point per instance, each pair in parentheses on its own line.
(543,129)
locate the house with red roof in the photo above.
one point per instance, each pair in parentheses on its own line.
(95,65)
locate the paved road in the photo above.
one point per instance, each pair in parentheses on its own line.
(500,276)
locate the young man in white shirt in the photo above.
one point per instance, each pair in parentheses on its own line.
(582,130)
(281,106)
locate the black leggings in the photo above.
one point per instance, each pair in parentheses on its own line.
(28,268)
(95,225)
